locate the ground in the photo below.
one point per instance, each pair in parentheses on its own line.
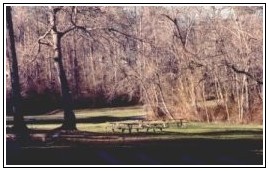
(95,143)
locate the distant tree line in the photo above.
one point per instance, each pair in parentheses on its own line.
(203,63)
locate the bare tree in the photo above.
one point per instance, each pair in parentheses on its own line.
(69,122)
(19,124)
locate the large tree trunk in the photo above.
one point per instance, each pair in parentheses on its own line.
(69,122)
(19,124)
(69,116)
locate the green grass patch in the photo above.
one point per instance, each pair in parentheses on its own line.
(43,126)
(192,130)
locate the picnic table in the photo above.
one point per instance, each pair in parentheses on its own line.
(137,125)
(126,126)
(180,122)
(145,125)
(154,125)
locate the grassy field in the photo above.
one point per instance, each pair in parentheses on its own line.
(99,120)
(203,143)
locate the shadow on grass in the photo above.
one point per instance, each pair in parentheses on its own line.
(95,119)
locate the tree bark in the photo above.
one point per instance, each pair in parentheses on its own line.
(19,123)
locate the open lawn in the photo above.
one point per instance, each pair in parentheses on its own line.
(95,143)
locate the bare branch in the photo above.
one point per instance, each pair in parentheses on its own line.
(45,43)
(179,35)
(239,71)
(178,29)
(76,26)
(128,35)
(56,9)
(45,35)
(42,38)
(67,30)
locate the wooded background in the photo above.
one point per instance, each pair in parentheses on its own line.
(202,63)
